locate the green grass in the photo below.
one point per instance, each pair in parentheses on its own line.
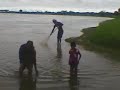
(104,39)
(107,34)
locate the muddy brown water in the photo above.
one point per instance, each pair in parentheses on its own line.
(95,72)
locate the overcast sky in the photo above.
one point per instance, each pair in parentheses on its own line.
(57,5)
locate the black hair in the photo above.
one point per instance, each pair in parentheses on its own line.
(30,42)
(73,44)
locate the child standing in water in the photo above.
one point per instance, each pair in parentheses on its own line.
(74,58)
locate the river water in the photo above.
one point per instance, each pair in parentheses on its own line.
(95,72)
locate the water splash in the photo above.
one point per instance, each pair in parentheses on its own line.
(45,42)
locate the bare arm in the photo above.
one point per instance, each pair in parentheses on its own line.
(79,55)
(53,30)
(35,65)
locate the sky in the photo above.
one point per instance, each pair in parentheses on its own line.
(58,5)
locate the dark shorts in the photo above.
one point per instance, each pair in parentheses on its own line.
(28,66)
(60,34)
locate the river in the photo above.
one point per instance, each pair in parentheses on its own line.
(95,72)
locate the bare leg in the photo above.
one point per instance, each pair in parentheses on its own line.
(76,69)
(57,40)
(60,40)
(35,66)
(21,69)
(29,67)
(71,69)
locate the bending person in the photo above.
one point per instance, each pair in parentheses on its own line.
(27,57)
(60,30)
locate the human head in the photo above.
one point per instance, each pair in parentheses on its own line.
(73,44)
(29,43)
(54,20)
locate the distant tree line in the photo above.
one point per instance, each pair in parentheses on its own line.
(117,12)
(64,12)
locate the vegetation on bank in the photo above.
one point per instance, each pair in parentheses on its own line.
(64,12)
(105,38)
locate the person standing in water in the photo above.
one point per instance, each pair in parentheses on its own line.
(74,58)
(60,30)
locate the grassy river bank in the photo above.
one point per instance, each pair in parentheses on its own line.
(104,38)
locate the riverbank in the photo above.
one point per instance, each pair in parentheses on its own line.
(104,38)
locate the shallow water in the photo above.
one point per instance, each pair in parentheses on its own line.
(95,72)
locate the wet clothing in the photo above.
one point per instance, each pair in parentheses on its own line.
(27,55)
(60,29)
(73,58)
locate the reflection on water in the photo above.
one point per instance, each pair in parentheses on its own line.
(73,82)
(27,83)
(59,50)
(57,64)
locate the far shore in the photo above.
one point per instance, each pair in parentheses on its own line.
(65,13)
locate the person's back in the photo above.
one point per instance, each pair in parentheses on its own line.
(27,56)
